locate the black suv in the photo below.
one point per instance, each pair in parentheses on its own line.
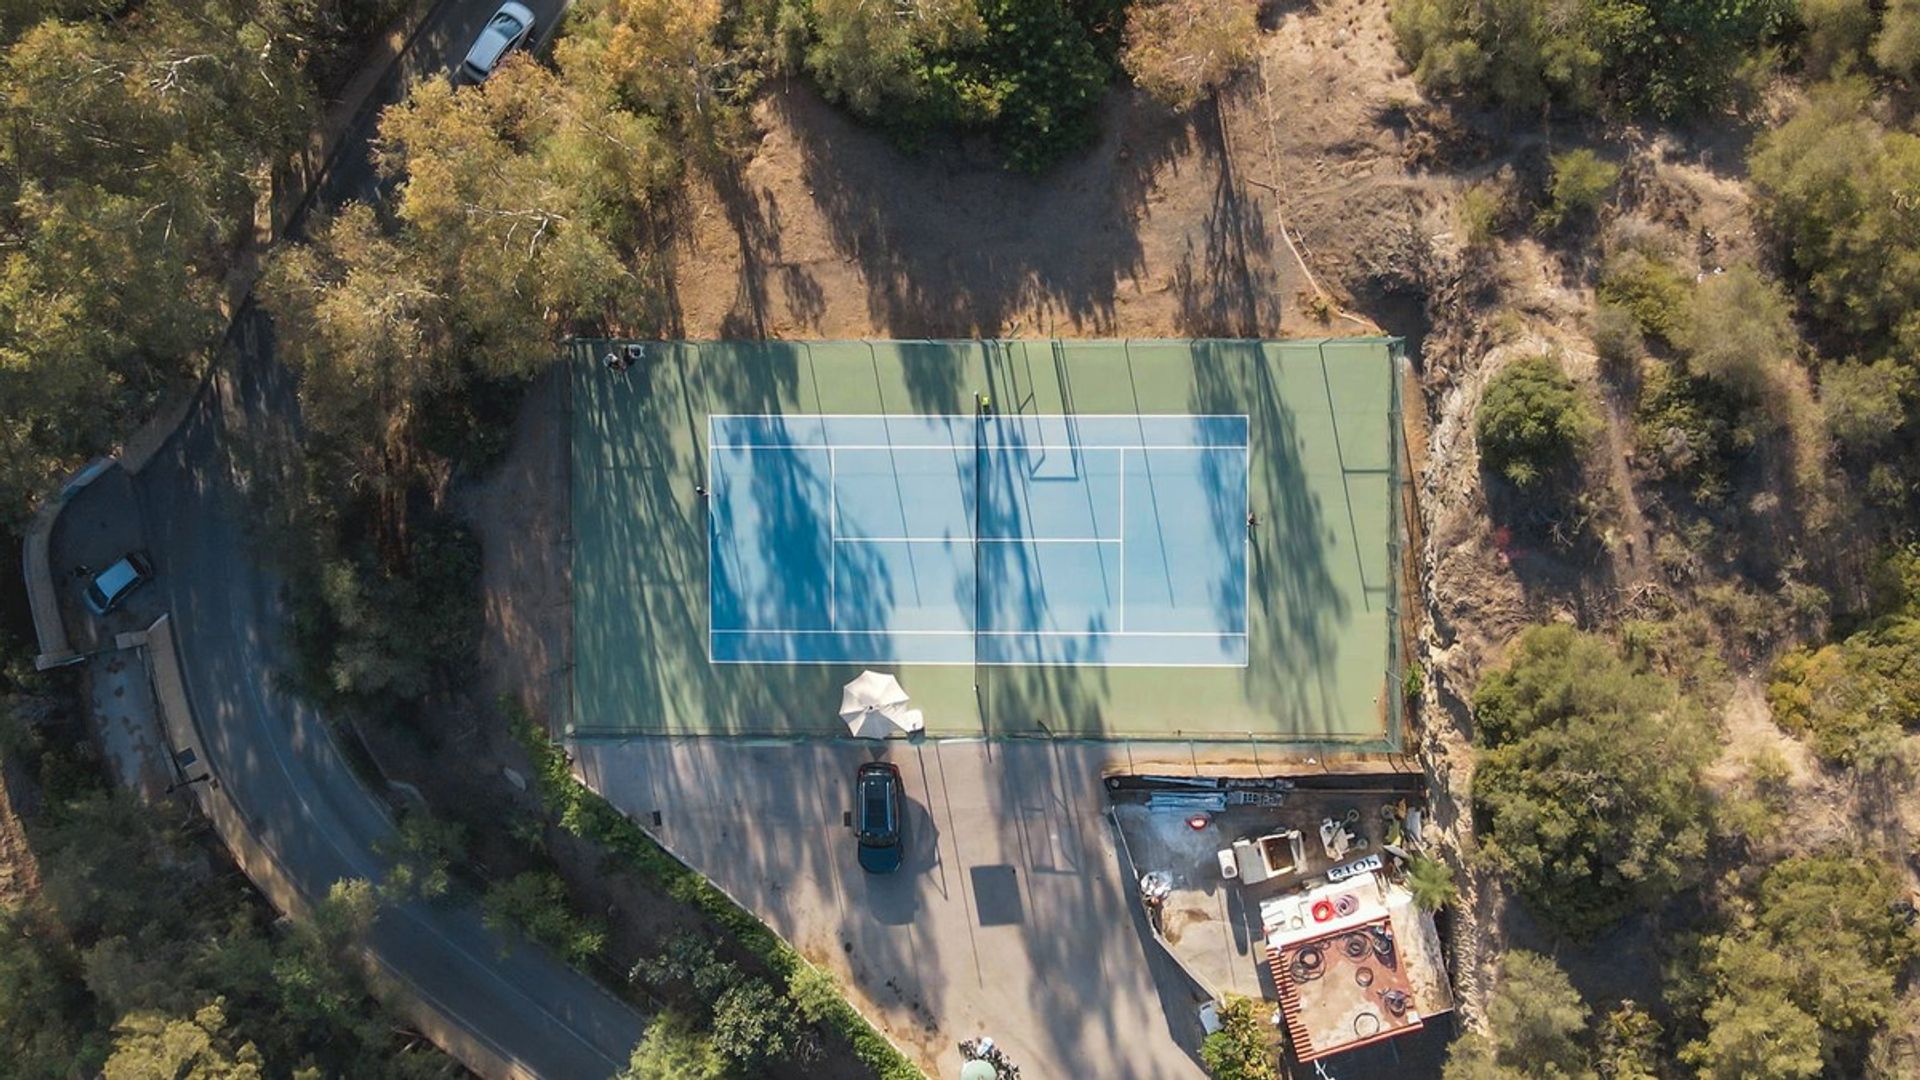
(880,817)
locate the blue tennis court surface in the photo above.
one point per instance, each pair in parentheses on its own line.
(1030,539)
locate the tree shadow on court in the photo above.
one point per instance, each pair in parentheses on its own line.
(1295,603)
(951,244)
(1228,287)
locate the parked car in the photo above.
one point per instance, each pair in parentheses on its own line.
(880,818)
(111,587)
(510,28)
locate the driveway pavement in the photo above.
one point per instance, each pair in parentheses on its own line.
(1012,916)
(275,759)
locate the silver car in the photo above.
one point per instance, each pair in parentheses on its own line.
(110,587)
(510,28)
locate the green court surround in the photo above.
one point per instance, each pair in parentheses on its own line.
(1325,464)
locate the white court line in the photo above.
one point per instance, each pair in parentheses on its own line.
(957,447)
(894,661)
(956,540)
(1225,634)
(1122,608)
(975,416)
(833,537)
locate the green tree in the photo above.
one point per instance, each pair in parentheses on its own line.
(1865,405)
(1663,57)
(1838,32)
(424,849)
(1739,332)
(1897,48)
(1431,882)
(1532,423)
(1588,779)
(1240,1050)
(45,1011)
(1837,189)
(1537,1024)
(1182,50)
(753,1023)
(1852,699)
(149,1046)
(674,1049)
(1582,180)
(536,904)
(1807,968)
(1630,1044)
(872,57)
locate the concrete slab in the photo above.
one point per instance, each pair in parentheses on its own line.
(1013,915)
(128,723)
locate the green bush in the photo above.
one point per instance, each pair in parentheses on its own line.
(1649,288)
(1837,32)
(1617,338)
(1852,700)
(1663,57)
(1533,424)
(1739,332)
(1481,210)
(1028,72)
(1582,180)
(675,1049)
(1866,404)
(1239,1050)
(1897,49)
(1805,971)
(536,904)
(1537,1024)
(1431,882)
(1838,190)
(586,814)
(1691,432)
(1588,779)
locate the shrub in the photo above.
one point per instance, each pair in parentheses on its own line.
(1651,289)
(1805,970)
(1837,189)
(1481,209)
(583,812)
(1837,32)
(1851,700)
(1865,404)
(1588,779)
(1431,882)
(1897,49)
(1617,339)
(1537,1024)
(536,904)
(753,1023)
(674,1049)
(1691,432)
(1582,180)
(1182,50)
(1532,424)
(1739,332)
(1239,1050)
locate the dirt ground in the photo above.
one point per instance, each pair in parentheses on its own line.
(1161,227)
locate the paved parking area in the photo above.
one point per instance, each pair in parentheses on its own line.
(1012,916)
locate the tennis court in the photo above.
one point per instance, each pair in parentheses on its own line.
(984,539)
(1035,537)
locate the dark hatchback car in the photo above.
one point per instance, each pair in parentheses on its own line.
(880,817)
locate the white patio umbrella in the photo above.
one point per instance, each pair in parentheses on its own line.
(874,705)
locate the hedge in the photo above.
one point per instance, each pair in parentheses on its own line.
(584,813)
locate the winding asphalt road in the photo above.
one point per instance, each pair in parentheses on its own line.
(271,752)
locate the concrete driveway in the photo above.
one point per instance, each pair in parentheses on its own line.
(1012,916)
